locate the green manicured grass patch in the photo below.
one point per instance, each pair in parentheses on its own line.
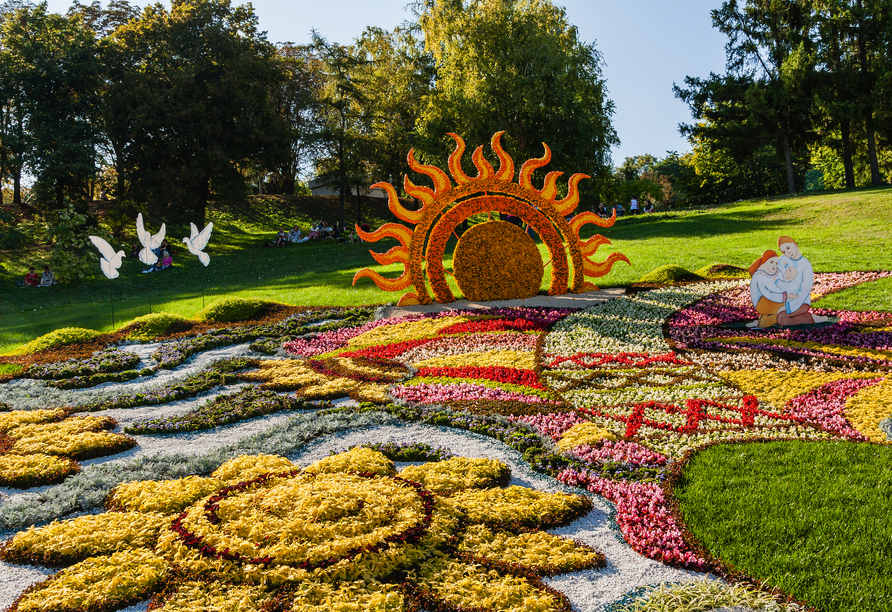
(57,338)
(812,518)
(721,270)
(232,309)
(869,296)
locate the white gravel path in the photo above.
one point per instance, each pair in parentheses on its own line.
(589,591)
(26,394)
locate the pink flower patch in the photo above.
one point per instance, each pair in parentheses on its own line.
(825,405)
(643,518)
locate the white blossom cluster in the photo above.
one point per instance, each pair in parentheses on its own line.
(626,324)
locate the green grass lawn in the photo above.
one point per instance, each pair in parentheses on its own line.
(747,503)
(837,232)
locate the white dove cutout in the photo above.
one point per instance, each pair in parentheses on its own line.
(148,241)
(110,261)
(197,241)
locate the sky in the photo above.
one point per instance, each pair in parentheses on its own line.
(647,45)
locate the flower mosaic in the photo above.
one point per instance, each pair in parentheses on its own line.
(260,529)
(607,401)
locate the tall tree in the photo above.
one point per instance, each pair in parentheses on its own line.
(196,103)
(769,41)
(396,73)
(519,66)
(297,103)
(54,62)
(341,103)
(837,80)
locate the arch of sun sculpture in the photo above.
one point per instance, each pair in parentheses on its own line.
(495,259)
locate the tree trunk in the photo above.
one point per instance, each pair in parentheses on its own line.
(17,186)
(788,160)
(289,181)
(875,177)
(358,206)
(847,154)
(203,196)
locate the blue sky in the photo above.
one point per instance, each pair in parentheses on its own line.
(646,45)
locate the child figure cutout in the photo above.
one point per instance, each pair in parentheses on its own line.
(781,287)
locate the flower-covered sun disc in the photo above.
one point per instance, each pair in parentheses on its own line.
(497,260)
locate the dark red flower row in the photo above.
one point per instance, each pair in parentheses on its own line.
(494,325)
(513,376)
(694,412)
(637,360)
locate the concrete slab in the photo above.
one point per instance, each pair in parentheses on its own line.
(571,300)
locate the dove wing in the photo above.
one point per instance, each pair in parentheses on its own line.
(193,231)
(201,240)
(158,238)
(104,247)
(108,268)
(141,233)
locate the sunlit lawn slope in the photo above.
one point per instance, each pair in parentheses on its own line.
(836,231)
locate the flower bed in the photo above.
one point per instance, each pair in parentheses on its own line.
(605,400)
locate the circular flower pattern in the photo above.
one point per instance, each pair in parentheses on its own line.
(297,537)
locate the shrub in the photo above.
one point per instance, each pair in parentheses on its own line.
(235,309)
(152,326)
(73,257)
(57,338)
(722,270)
(668,275)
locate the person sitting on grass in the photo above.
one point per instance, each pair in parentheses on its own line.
(47,279)
(295,235)
(163,263)
(32,278)
(281,238)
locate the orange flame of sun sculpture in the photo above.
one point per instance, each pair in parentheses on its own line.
(446,206)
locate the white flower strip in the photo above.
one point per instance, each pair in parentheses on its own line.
(627,324)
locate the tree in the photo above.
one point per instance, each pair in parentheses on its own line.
(53,62)
(297,103)
(195,103)
(341,106)
(396,73)
(836,81)
(770,61)
(519,66)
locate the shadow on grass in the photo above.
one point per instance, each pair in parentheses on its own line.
(693,225)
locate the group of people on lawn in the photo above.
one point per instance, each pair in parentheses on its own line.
(163,252)
(33,279)
(321,230)
(634,208)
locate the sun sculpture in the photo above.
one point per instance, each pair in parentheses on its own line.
(493,260)
(348,532)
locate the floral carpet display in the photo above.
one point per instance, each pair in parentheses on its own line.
(282,466)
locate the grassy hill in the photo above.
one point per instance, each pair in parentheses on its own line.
(838,231)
